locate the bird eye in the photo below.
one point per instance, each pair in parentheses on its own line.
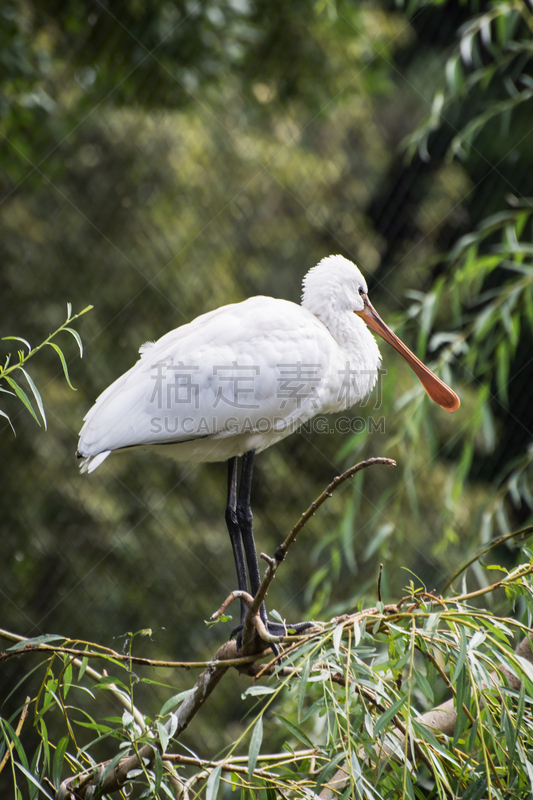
(361,290)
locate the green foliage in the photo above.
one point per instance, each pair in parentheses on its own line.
(160,163)
(487,79)
(360,697)
(485,285)
(7,369)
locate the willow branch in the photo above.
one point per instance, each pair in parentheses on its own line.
(9,750)
(283,548)
(440,719)
(519,572)
(114,779)
(120,695)
(106,654)
(522,533)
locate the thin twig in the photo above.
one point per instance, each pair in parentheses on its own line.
(520,572)
(484,550)
(106,655)
(259,625)
(282,549)
(178,758)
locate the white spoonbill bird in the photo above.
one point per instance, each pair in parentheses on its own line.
(238,379)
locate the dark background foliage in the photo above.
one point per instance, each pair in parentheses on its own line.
(161,159)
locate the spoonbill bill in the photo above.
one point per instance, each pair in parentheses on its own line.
(238,379)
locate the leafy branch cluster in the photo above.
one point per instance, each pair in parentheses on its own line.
(359,716)
(8,369)
(488,286)
(486,77)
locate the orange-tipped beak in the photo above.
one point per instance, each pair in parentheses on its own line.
(437,389)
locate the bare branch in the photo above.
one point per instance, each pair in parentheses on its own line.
(282,549)
(521,534)
(105,654)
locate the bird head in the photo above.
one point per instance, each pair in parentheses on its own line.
(337,282)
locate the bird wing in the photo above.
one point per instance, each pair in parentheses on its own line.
(244,367)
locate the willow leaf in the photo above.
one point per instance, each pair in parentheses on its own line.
(63,363)
(21,394)
(37,395)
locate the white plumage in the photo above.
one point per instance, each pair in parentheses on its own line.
(246,375)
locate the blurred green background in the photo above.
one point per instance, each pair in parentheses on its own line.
(161,159)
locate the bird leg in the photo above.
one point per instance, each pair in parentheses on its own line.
(245,518)
(239,521)
(232,523)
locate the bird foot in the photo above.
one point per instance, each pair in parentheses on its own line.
(259,629)
(275,632)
